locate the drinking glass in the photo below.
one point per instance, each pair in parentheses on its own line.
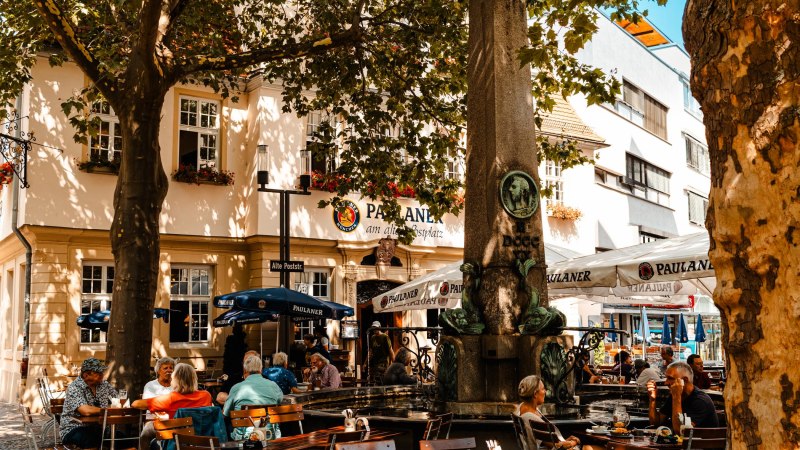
(123,396)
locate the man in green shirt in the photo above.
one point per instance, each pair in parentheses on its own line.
(254,390)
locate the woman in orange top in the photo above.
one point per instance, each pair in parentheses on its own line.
(184,394)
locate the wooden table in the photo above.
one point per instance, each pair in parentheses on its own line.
(316,439)
(636,441)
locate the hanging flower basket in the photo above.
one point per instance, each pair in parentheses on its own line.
(204,175)
(99,165)
(6,174)
(563,212)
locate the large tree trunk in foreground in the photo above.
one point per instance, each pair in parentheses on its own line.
(745,68)
(141,189)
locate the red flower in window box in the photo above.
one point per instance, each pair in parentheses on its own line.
(6,174)
(188,174)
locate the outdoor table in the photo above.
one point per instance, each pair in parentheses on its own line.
(315,439)
(635,441)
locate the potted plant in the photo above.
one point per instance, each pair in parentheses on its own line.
(96,164)
(6,174)
(204,175)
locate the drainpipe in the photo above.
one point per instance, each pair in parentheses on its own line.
(26,321)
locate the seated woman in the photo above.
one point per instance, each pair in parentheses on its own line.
(623,366)
(184,395)
(532,391)
(396,372)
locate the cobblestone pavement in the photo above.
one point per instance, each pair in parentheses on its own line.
(12,434)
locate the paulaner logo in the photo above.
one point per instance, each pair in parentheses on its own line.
(347,219)
(646,271)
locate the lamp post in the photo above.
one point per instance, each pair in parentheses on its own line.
(262,178)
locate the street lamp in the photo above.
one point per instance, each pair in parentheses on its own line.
(262,178)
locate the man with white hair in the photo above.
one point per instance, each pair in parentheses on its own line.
(254,390)
(324,375)
(282,376)
(684,399)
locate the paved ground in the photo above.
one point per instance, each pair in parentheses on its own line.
(12,435)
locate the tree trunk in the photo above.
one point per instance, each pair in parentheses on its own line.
(140,192)
(745,66)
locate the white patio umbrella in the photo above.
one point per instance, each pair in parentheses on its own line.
(669,268)
(442,288)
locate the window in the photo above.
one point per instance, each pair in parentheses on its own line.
(318,123)
(97,285)
(199,133)
(553,182)
(689,103)
(697,155)
(646,180)
(190,293)
(697,208)
(318,281)
(454,167)
(645,237)
(643,110)
(107,145)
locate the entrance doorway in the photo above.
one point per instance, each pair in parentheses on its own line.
(365,291)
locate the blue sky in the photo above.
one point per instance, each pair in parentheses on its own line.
(667,18)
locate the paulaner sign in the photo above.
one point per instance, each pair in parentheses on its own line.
(306,310)
(569,277)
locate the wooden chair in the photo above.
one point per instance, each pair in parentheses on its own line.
(286,413)
(546,433)
(27,426)
(371,445)
(130,421)
(166,429)
(711,438)
(248,417)
(264,406)
(448,444)
(447,423)
(192,442)
(432,429)
(520,432)
(346,436)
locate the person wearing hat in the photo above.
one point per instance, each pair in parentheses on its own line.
(380,354)
(644,372)
(86,396)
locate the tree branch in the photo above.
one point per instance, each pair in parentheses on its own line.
(63,31)
(150,26)
(200,63)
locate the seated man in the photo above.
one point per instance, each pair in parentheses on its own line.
(644,372)
(396,372)
(701,379)
(254,390)
(86,396)
(323,374)
(282,376)
(684,399)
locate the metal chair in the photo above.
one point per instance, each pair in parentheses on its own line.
(432,429)
(192,442)
(286,413)
(545,432)
(448,444)
(447,423)
(371,445)
(45,396)
(130,420)
(711,438)
(27,426)
(520,432)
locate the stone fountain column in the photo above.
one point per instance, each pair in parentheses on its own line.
(503,223)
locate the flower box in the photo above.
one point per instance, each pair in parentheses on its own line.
(96,165)
(563,212)
(204,175)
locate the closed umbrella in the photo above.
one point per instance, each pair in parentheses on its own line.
(98,320)
(666,332)
(612,335)
(699,332)
(681,335)
(645,331)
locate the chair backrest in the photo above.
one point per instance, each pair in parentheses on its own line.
(248,417)
(44,395)
(56,406)
(264,406)
(712,438)
(448,444)
(192,442)
(371,445)
(709,433)
(128,421)
(27,425)
(520,432)
(447,423)
(286,413)
(346,436)
(546,433)
(207,420)
(166,429)
(211,367)
(432,429)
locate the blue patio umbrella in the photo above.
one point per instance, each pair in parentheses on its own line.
(612,335)
(699,331)
(681,335)
(98,320)
(285,302)
(236,316)
(666,335)
(645,326)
